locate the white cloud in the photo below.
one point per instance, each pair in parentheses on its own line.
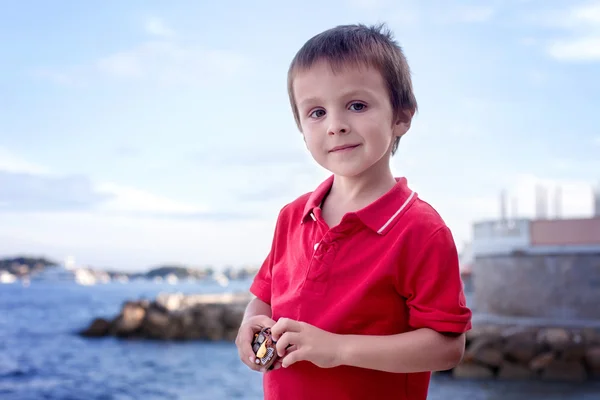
(587,14)
(166,60)
(583,24)
(35,185)
(580,49)
(157,27)
(128,199)
(171,63)
(597,140)
(13,163)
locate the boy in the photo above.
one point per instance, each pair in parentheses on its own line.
(361,287)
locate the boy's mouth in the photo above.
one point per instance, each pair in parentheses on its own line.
(345,147)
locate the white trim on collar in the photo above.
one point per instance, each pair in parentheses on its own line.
(402,207)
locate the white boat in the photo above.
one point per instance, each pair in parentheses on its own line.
(84,277)
(221,279)
(6,277)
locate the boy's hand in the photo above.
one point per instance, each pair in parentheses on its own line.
(244,338)
(306,343)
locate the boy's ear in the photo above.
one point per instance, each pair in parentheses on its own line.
(403,121)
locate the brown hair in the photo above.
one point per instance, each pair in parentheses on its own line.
(359,45)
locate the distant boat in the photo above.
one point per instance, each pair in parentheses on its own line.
(80,276)
(6,277)
(84,277)
(221,279)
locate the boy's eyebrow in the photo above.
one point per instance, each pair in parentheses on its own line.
(349,93)
(310,100)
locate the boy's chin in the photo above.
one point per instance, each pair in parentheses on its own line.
(347,171)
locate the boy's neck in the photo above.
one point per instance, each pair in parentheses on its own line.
(354,193)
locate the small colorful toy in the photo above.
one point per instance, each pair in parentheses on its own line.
(263,347)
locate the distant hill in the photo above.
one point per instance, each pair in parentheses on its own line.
(23,266)
(177,270)
(26,266)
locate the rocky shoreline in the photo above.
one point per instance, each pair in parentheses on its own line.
(175,317)
(525,353)
(492,351)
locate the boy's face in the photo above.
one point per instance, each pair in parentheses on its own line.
(346,117)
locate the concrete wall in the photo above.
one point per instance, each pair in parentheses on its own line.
(561,286)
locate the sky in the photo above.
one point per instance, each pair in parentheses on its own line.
(139,133)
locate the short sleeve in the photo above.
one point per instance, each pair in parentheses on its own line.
(434,288)
(261,284)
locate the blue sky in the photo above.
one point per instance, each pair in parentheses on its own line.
(145,132)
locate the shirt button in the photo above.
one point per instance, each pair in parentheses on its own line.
(316,246)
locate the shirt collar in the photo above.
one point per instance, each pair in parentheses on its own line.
(378,216)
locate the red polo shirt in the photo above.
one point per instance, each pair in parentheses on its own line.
(388,268)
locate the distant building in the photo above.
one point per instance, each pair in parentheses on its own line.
(536,236)
(538,268)
(597,201)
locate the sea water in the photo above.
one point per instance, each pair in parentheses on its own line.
(42,357)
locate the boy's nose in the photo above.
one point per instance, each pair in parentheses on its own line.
(338,127)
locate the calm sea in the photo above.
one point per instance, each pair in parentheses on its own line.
(41,357)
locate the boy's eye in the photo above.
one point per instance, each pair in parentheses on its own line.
(357,106)
(317,113)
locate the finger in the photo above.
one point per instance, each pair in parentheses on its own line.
(244,345)
(292,358)
(291,348)
(264,322)
(284,325)
(286,340)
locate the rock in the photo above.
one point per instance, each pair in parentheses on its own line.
(522,333)
(591,337)
(231,334)
(542,361)
(232,317)
(489,356)
(210,317)
(574,352)
(556,338)
(130,319)
(472,371)
(178,317)
(157,324)
(481,343)
(521,349)
(99,327)
(566,371)
(483,331)
(190,330)
(592,358)
(512,371)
